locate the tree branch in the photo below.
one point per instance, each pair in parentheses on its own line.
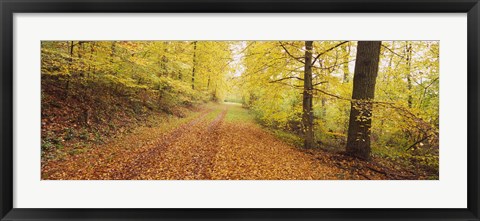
(286,78)
(296,58)
(337,45)
(392,51)
(419,141)
(333,66)
(319,83)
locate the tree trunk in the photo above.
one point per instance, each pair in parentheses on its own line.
(194,63)
(71,48)
(112,55)
(67,86)
(208,83)
(92,51)
(346,59)
(366,70)
(164,59)
(324,109)
(408,51)
(112,51)
(307,97)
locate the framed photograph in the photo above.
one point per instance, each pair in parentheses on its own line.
(264,110)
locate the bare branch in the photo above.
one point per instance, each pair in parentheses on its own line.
(319,83)
(419,141)
(337,45)
(331,95)
(286,78)
(246,47)
(392,51)
(333,66)
(286,50)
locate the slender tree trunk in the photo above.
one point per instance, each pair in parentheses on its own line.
(215,94)
(346,78)
(112,51)
(346,58)
(80,48)
(364,79)
(71,48)
(67,86)
(408,50)
(80,51)
(194,63)
(112,55)
(308,97)
(208,83)
(90,58)
(324,108)
(165,59)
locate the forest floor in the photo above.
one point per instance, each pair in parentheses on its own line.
(218,142)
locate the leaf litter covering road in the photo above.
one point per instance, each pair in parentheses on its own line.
(204,148)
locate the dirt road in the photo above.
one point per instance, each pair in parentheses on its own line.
(219,143)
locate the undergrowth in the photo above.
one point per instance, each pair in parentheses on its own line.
(87,113)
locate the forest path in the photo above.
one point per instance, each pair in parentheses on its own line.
(221,142)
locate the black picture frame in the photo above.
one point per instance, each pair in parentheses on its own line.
(9,7)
